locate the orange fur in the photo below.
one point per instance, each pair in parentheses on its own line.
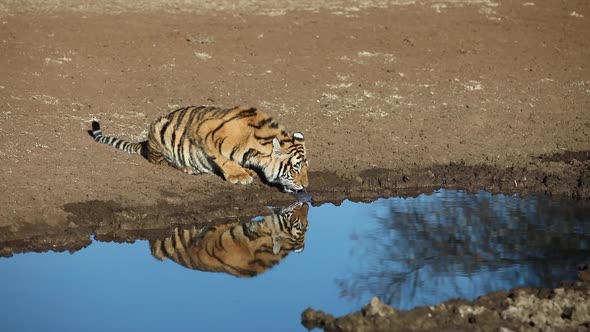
(242,250)
(231,142)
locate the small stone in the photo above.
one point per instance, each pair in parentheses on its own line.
(378,308)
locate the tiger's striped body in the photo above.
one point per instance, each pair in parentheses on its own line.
(231,142)
(242,250)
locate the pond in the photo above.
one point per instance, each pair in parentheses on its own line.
(408,251)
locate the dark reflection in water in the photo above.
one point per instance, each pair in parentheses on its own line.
(456,245)
(242,250)
(409,252)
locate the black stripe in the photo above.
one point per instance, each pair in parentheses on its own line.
(267,139)
(201,112)
(180,147)
(262,123)
(196,158)
(219,112)
(284,166)
(185,135)
(249,234)
(262,263)
(249,154)
(210,253)
(95,126)
(163,132)
(176,147)
(179,118)
(271,137)
(233,236)
(180,256)
(233,151)
(219,242)
(265,143)
(235,268)
(296,147)
(282,225)
(219,144)
(172,145)
(235,117)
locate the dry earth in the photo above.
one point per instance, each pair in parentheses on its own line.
(391,95)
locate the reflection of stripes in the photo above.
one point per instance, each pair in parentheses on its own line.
(242,250)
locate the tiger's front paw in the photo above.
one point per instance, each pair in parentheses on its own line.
(242,178)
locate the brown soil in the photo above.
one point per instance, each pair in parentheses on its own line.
(391,95)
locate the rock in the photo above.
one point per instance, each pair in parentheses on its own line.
(568,308)
(378,308)
(316,319)
(466,310)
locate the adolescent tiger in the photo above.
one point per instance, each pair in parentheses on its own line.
(242,250)
(234,143)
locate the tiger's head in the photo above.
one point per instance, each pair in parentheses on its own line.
(288,165)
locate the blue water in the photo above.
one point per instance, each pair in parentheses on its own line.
(409,252)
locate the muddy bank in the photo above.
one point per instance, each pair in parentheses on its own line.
(566,308)
(563,175)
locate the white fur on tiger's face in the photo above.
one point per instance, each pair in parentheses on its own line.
(242,250)
(235,143)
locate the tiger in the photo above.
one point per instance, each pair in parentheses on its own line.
(242,250)
(235,143)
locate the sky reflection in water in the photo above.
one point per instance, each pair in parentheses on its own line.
(410,252)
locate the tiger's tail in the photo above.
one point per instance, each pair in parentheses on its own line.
(129,147)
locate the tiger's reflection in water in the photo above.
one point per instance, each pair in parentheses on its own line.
(242,250)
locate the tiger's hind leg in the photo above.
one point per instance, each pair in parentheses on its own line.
(160,159)
(189,170)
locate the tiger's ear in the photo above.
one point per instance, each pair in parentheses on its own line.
(276,147)
(298,136)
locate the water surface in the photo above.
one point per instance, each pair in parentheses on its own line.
(409,252)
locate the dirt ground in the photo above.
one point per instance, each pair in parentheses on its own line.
(391,95)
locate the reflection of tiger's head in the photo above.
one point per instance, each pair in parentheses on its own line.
(243,250)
